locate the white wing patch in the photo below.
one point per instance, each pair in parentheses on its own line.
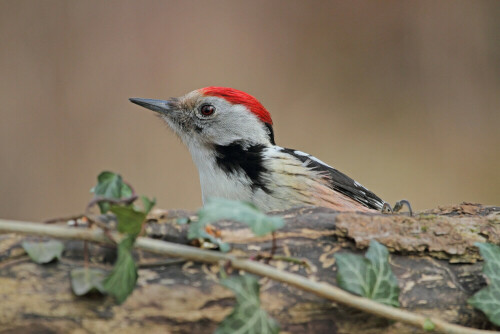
(312,158)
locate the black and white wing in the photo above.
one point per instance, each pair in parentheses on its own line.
(339,181)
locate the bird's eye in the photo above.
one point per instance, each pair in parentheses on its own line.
(207,109)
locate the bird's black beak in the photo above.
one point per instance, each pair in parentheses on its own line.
(159,106)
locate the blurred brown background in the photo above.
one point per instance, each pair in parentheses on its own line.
(403,96)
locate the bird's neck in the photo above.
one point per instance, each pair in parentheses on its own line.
(230,171)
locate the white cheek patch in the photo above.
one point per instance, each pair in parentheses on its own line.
(235,123)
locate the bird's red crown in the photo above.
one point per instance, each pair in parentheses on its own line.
(235,96)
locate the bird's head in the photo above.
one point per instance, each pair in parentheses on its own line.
(214,116)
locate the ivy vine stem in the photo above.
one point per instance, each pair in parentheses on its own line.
(195,254)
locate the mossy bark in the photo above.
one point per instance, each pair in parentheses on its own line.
(432,255)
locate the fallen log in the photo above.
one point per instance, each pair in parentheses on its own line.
(432,254)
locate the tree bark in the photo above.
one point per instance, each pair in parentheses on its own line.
(432,255)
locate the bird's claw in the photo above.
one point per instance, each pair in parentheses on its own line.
(386,208)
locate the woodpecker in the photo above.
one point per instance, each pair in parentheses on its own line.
(230,136)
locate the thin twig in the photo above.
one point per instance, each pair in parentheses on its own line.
(163,263)
(302,262)
(273,247)
(283,258)
(195,254)
(63,219)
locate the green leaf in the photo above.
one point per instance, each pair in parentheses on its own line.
(121,282)
(129,220)
(126,190)
(247,316)
(147,204)
(370,276)
(488,298)
(429,325)
(44,252)
(223,246)
(351,273)
(110,185)
(85,280)
(223,209)
(383,283)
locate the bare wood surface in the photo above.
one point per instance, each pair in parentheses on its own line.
(432,255)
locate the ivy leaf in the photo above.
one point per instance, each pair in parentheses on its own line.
(126,190)
(147,204)
(110,185)
(383,283)
(370,276)
(223,209)
(129,219)
(44,252)
(351,273)
(247,316)
(429,326)
(488,298)
(85,280)
(121,282)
